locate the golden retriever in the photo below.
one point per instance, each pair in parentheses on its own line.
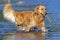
(30,18)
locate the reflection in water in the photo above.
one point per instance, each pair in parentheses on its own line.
(31,36)
(26,36)
(53,35)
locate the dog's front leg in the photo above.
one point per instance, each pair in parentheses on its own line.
(42,26)
(28,28)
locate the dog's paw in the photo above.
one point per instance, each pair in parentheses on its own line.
(44,30)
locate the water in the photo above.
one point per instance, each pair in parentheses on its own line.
(8,29)
(30,36)
(8,32)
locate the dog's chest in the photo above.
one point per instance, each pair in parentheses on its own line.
(9,16)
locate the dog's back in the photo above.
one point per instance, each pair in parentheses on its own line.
(22,17)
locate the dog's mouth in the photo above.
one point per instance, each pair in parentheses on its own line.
(43,14)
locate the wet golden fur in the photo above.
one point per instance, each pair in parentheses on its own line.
(29,18)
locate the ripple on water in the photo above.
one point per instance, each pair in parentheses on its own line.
(53,36)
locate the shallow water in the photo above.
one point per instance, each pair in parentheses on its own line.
(8,29)
(30,36)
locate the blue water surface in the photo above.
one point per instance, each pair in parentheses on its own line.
(53,10)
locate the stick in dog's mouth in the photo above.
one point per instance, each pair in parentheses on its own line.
(48,18)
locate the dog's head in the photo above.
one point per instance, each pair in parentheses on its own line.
(40,10)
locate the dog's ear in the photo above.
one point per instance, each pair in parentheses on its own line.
(36,9)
